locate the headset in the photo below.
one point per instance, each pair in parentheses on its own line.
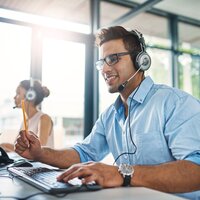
(31,93)
(142,61)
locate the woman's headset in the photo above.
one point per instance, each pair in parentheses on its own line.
(31,93)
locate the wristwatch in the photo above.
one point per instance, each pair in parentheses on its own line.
(127,172)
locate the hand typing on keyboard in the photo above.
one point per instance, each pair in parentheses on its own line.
(75,181)
(45,179)
(91,172)
(79,181)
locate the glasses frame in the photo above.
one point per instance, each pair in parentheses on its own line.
(99,64)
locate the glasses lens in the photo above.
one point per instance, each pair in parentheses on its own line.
(111,59)
(99,64)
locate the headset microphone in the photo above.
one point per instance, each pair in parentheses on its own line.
(123,85)
(14,107)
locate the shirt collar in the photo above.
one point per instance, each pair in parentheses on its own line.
(141,92)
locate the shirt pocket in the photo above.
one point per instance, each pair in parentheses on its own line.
(150,148)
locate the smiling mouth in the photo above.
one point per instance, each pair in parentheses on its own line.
(109,79)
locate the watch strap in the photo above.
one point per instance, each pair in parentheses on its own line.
(127,180)
(127,173)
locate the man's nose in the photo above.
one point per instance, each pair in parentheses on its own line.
(106,67)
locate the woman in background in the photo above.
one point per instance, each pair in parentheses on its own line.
(38,122)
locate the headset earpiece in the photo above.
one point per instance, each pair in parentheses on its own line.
(142,60)
(31,94)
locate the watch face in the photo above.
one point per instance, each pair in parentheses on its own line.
(126,170)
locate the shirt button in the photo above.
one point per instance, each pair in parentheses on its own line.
(126,156)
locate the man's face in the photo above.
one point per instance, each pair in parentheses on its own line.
(119,72)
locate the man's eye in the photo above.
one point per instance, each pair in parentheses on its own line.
(111,59)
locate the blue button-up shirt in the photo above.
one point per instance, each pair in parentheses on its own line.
(163,125)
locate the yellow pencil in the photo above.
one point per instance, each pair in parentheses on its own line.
(24,116)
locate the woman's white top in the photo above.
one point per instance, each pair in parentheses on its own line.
(34,126)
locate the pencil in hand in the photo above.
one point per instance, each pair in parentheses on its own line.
(24,115)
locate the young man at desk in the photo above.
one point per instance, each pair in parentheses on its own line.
(151,130)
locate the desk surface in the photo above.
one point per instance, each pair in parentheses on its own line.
(18,188)
(14,187)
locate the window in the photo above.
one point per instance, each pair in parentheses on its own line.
(63,73)
(160,69)
(107,16)
(15,51)
(189,40)
(189,73)
(189,60)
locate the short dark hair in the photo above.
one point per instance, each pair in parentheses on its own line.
(130,40)
(41,91)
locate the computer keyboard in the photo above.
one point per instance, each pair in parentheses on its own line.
(45,179)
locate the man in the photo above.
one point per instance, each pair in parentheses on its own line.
(151,130)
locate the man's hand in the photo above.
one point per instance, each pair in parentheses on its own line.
(28,145)
(104,175)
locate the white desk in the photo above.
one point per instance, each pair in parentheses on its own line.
(18,188)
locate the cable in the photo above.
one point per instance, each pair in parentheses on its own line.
(61,195)
(129,126)
(23,198)
(33,195)
(3,169)
(36,194)
(5,175)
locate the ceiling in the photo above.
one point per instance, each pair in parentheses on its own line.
(187,8)
(79,11)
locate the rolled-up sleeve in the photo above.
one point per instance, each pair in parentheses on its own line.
(195,158)
(183,130)
(94,147)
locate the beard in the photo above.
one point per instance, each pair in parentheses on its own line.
(112,89)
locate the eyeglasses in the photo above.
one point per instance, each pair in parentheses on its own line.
(110,59)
